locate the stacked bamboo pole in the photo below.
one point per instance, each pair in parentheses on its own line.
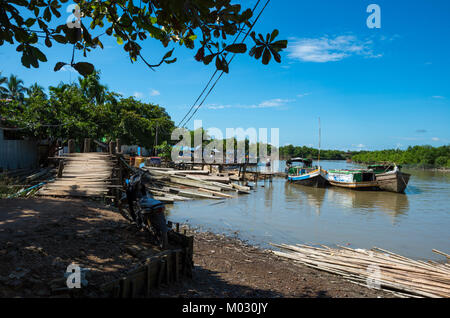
(376,268)
(179,185)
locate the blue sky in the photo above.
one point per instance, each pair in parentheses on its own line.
(371,88)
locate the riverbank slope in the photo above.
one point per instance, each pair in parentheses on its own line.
(227,267)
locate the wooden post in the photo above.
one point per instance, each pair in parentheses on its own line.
(118,146)
(245,168)
(60,168)
(87,144)
(177,265)
(71,146)
(112,146)
(162,270)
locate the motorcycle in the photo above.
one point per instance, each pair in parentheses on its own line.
(139,207)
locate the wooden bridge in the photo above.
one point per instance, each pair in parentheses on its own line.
(82,175)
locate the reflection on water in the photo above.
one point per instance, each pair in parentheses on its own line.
(411,224)
(299,194)
(393,204)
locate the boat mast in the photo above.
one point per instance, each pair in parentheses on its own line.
(318,159)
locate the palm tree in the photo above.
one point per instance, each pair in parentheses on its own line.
(15,89)
(36,90)
(3,90)
(92,89)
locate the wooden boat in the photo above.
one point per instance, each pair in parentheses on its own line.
(306,174)
(360,179)
(390,178)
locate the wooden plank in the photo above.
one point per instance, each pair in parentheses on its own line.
(193,183)
(219,194)
(209,178)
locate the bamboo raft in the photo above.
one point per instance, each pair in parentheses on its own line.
(376,268)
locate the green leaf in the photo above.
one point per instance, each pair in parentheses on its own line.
(266,57)
(48,43)
(274,35)
(168,54)
(258,52)
(26,60)
(279,45)
(119,40)
(59,65)
(39,55)
(236,48)
(60,38)
(218,63)
(29,22)
(47,15)
(171,61)
(84,68)
(275,54)
(208,59)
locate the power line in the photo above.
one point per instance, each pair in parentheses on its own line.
(228,64)
(214,74)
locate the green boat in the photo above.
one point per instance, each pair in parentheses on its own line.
(361,179)
(390,177)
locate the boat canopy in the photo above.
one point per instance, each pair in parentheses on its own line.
(306,161)
(383,167)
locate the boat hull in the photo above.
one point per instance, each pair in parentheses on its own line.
(363,185)
(314,179)
(393,181)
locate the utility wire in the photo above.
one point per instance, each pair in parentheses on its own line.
(200,105)
(209,82)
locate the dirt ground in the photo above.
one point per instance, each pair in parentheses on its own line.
(40,237)
(227,267)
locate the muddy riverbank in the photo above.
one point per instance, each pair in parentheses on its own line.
(228,267)
(40,237)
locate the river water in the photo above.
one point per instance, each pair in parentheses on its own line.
(411,224)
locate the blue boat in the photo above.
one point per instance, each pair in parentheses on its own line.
(301,171)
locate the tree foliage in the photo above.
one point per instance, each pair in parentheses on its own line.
(208,24)
(76,111)
(423,156)
(291,151)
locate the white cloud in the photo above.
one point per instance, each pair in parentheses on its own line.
(277,102)
(216,106)
(271,103)
(138,94)
(154,92)
(438,97)
(435,139)
(329,49)
(68,68)
(303,95)
(359,146)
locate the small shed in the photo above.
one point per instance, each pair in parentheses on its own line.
(17,153)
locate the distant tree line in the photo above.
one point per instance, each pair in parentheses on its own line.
(421,156)
(80,110)
(291,151)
